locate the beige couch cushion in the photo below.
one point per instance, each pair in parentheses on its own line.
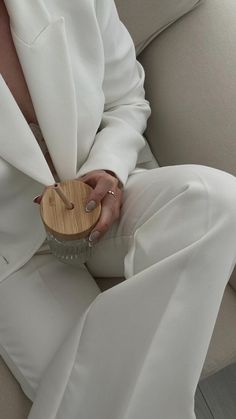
(146,19)
(190,83)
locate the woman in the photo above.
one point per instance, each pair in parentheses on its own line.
(73,107)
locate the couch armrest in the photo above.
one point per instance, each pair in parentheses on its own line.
(191,84)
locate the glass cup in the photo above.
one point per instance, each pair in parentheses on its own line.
(69,251)
(66,222)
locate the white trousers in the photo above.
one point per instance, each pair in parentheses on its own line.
(136,350)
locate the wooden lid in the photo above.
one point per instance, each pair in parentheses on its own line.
(64,223)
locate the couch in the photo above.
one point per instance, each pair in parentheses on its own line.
(191,84)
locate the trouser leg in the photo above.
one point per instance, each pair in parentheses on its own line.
(144,342)
(38,306)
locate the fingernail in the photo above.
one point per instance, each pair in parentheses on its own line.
(94,236)
(90,206)
(36,199)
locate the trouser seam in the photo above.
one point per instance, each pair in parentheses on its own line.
(209,213)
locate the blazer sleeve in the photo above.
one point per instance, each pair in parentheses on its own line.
(126,110)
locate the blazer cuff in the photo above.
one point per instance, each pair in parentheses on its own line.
(111,163)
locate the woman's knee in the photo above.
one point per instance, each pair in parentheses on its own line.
(202,193)
(192,196)
(220,187)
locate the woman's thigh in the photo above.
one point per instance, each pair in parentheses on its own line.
(157,192)
(39,304)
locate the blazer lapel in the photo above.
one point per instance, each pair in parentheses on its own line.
(41,45)
(18,145)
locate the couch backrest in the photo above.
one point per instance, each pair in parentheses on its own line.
(146,18)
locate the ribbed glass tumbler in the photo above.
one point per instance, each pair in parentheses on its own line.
(66,222)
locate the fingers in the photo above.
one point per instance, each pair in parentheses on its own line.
(98,193)
(103,225)
(37,199)
(102,182)
(91,178)
(110,211)
(110,208)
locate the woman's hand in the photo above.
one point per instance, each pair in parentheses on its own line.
(101,182)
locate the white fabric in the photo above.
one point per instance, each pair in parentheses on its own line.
(38,305)
(131,352)
(89,101)
(138,349)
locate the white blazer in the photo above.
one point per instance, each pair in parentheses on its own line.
(86,86)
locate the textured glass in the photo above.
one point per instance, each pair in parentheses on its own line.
(69,251)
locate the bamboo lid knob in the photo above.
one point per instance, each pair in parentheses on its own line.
(66,221)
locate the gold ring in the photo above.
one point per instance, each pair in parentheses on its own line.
(112,193)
